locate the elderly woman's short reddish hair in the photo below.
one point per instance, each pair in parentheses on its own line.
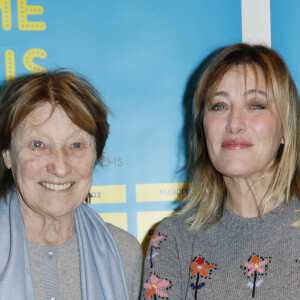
(79,99)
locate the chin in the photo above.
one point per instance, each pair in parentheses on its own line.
(60,209)
(234,172)
(58,213)
(235,168)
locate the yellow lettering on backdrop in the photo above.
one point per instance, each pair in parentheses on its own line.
(10,69)
(6,14)
(24,10)
(28,60)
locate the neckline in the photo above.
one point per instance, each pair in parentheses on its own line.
(280,214)
(63,245)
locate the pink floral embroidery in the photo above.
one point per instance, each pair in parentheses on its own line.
(156,239)
(155,287)
(256,266)
(155,242)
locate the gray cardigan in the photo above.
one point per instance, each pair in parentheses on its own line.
(132,258)
(66,258)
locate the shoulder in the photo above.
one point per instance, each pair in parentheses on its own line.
(128,246)
(176,223)
(122,238)
(172,235)
(168,257)
(131,256)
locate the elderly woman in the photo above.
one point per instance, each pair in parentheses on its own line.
(53,127)
(237,236)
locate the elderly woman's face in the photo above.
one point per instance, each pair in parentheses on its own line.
(52,162)
(243,131)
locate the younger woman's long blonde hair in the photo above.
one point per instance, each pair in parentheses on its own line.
(207,193)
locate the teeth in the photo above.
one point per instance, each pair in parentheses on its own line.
(56,187)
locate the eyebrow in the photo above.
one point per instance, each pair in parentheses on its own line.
(255,91)
(249,92)
(34,130)
(222,93)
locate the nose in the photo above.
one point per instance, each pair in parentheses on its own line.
(59,164)
(236,122)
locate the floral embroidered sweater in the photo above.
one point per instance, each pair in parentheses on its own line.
(237,258)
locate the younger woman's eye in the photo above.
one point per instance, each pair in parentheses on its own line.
(258,106)
(218,107)
(256,103)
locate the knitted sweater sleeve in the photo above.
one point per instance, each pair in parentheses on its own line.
(166,267)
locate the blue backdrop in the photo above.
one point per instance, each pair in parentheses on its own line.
(140,55)
(285,23)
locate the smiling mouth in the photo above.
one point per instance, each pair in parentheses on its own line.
(236,144)
(56,187)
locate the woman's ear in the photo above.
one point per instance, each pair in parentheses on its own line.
(6,158)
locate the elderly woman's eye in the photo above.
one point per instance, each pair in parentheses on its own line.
(37,144)
(77,145)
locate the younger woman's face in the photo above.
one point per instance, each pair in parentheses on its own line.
(243,130)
